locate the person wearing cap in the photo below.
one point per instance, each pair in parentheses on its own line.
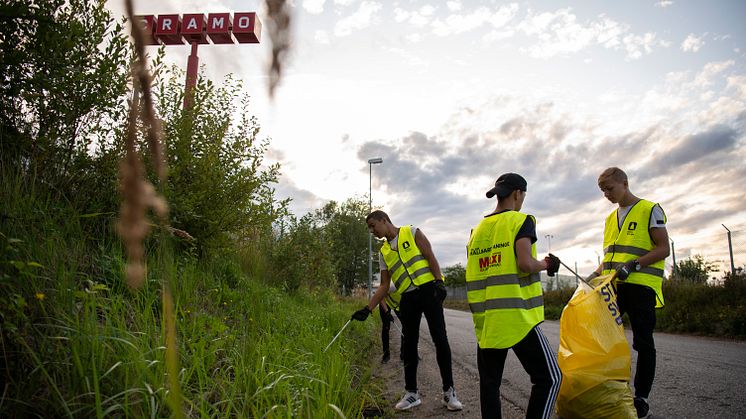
(407,259)
(635,247)
(506,300)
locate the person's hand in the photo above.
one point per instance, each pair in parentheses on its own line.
(440,291)
(388,316)
(624,269)
(553,264)
(361,314)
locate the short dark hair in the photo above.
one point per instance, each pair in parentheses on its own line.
(378,215)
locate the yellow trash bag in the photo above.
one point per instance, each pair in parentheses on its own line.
(594,355)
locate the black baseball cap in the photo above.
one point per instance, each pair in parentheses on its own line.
(506,184)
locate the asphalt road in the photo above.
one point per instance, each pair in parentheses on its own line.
(695,378)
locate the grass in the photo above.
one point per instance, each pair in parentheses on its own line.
(76,342)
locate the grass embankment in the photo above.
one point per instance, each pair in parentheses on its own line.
(700,309)
(77,342)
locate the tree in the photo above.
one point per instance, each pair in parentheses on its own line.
(218,186)
(63,75)
(694,269)
(347,234)
(455,275)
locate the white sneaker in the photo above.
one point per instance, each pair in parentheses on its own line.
(408,401)
(450,400)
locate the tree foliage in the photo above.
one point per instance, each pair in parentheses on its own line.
(219,187)
(695,269)
(63,75)
(455,275)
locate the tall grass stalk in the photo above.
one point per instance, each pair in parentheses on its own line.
(79,343)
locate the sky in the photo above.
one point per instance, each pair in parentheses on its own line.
(452,94)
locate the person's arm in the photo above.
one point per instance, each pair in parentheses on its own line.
(427,252)
(526,262)
(661,249)
(381,292)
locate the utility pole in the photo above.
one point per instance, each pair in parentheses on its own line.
(730,250)
(673,254)
(371,162)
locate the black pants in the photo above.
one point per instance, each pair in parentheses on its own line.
(638,301)
(413,305)
(385,329)
(539,361)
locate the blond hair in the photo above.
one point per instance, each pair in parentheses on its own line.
(614,174)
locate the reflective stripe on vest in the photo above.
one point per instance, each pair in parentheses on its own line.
(407,265)
(630,242)
(505,303)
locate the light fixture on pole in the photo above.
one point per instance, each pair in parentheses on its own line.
(371,162)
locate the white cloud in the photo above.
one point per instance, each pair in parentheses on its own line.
(314,7)
(638,45)
(738,84)
(560,33)
(321,36)
(460,23)
(692,43)
(454,6)
(400,15)
(344,2)
(361,19)
(664,3)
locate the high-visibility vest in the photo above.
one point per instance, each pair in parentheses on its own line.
(631,242)
(406,265)
(393,300)
(505,303)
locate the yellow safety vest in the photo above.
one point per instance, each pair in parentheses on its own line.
(505,303)
(406,265)
(393,300)
(631,242)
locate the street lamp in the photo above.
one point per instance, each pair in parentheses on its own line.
(371,162)
(549,238)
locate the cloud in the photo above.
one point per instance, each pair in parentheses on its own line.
(454,6)
(664,3)
(321,36)
(438,181)
(314,7)
(692,43)
(361,19)
(461,23)
(561,33)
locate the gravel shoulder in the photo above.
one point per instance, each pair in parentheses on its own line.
(391,380)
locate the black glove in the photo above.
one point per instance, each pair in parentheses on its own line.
(440,291)
(361,314)
(553,264)
(388,316)
(624,269)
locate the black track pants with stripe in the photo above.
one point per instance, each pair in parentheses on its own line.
(539,361)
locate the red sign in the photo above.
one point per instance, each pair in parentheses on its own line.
(220,28)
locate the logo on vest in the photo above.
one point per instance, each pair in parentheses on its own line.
(405,245)
(631,228)
(490,261)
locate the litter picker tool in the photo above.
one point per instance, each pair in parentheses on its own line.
(337,335)
(573,272)
(397,327)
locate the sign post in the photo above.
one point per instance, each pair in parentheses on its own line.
(195,29)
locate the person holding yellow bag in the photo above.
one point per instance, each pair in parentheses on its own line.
(635,246)
(506,300)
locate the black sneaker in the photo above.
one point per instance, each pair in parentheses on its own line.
(642,407)
(386,357)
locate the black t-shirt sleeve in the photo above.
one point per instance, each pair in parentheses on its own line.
(528,229)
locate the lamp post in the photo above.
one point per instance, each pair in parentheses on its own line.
(549,238)
(371,162)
